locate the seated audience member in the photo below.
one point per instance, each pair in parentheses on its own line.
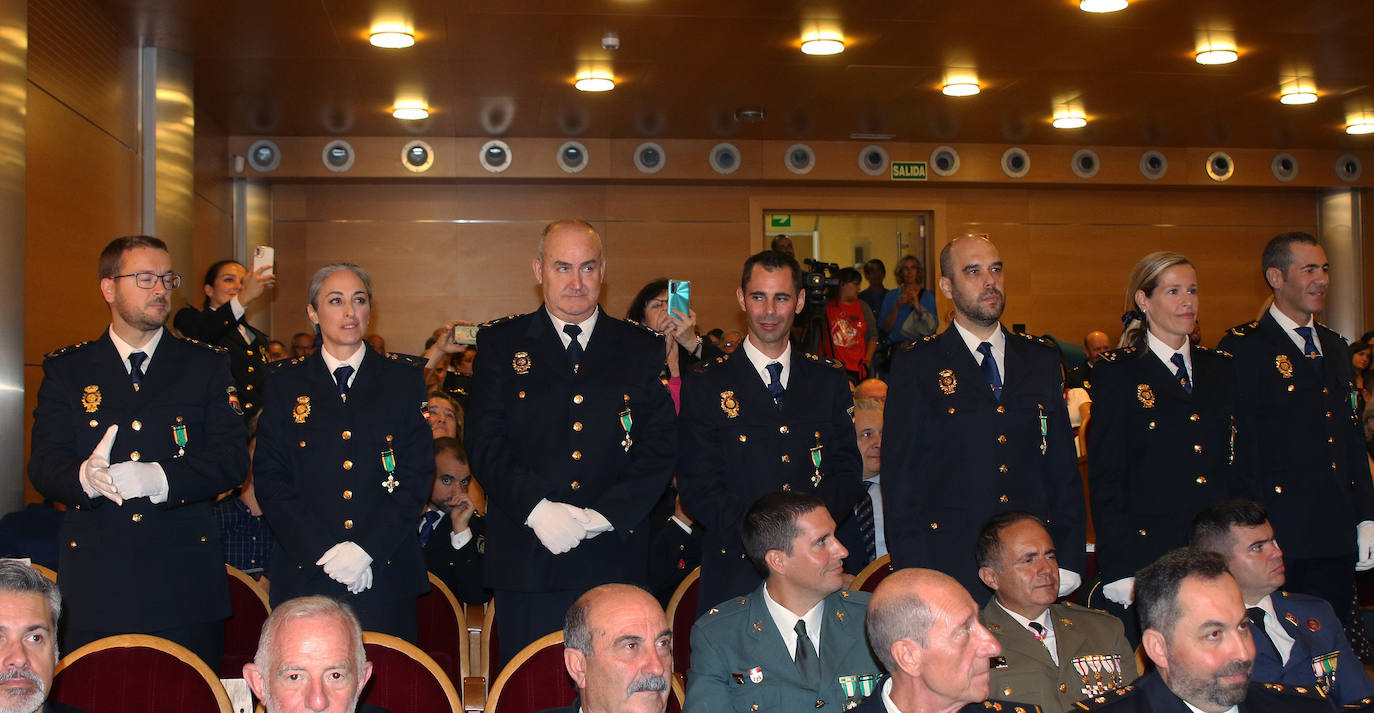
(276,351)
(1078,400)
(30,607)
(445,415)
(453,538)
(31,533)
(875,389)
(1095,344)
(1052,653)
(789,644)
(853,329)
(862,534)
(302,344)
(1195,632)
(676,547)
(1298,638)
(228,290)
(730,340)
(618,650)
(243,531)
(310,659)
(923,625)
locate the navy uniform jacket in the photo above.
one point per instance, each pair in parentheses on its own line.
(140,567)
(1150,694)
(1319,644)
(247,358)
(1299,446)
(737,642)
(460,569)
(737,447)
(320,477)
(536,430)
(1156,454)
(955,456)
(874,704)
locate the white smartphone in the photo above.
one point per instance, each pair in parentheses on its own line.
(263,255)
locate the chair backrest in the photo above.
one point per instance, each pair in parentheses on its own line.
(404,678)
(682,614)
(534,680)
(488,641)
(132,673)
(241,631)
(51,575)
(868,578)
(443,629)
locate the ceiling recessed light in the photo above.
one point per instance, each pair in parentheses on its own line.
(410,110)
(822,43)
(1361,126)
(1215,47)
(1069,122)
(1296,97)
(1216,56)
(1100,6)
(1297,89)
(391,39)
(960,89)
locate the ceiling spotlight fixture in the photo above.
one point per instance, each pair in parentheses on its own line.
(1215,47)
(594,81)
(749,116)
(1360,125)
(1296,89)
(391,39)
(822,42)
(1070,121)
(410,110)
(960,89)
(1100,6)
(1297,97)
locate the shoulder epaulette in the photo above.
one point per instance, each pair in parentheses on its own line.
(644,327)
(206,345)
(409,359)
(1042,341)
(917,342)
(69,349)
(1292,690)
(1224,353)
(1009,707)
(498,320)
(824,360)
(1113,354)
(1088,704)
(280,364)
(1241,330)
(705,364)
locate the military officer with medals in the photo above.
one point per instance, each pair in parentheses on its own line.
(976,424)
(136,432)
(345,463)
(1299,445)
(764,418)
(1162,426)
(228,288)
(571,434)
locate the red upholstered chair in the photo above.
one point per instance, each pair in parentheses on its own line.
(404,678)
(682,614)
(868,578)
(241,631)
(443,629)
(534,680)
(134,673)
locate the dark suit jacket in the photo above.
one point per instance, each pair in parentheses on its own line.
(1157,454)
(1299,446)
(537,430)
(1317,637)
(737,446)
(460,569)
(1149,694)
(953,455)
(321,479)
(852,537)
(247,358)
(573,707)
(140,566)
(874,704)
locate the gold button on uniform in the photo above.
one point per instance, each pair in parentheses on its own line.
(72,544)
(934,525)
(577,399)
(1063,688)
(743,438)
(135,455)
(1006,691)
(782,430)
(1001,439)
(577,425)
(348,495)
(1150,425)
(1333,465)
(786,458)
(1003,498)
(1202,480)
(1278,489)
(1001,409)
(1002,468)
(1328,414)
(578,486)
(521,394)
(1291,387)
(138,517)
(951,411)
(203,538)
(94,423)
(346,435)
(1194,418)
(348,524)
(302,444)
(137,425)
(577,455)
(1142,533)
(1197,447)
(348,465)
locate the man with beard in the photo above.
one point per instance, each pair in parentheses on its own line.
(310,659)
(137,432)
(29,609)
(976,424)
(1197,634)
(451,534)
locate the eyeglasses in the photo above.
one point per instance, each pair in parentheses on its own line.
(147,280)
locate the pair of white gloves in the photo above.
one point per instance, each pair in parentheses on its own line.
(561,527)
(126,480)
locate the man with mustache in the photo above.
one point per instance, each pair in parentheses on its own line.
(1298,639)
(1299,447)
(137,432)
(976,424)
(1197,634)
(29,609)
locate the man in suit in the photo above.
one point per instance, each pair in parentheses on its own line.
(618,650)
(30,606)
(1196,633)
(571,434)
(1298,638)
(924,628)
(1095,344)
(765,418)
(310,659)
(977,424)
(796,642)
(136,432)
(451,534)
(862,533)
(1052,654)
(1299,446)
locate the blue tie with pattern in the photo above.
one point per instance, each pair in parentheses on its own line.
(1182,373)
(990,371)
(775,383)
(1309,349)
(432,518)
(864,512)
(136,360)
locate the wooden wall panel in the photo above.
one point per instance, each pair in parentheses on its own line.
(79,57)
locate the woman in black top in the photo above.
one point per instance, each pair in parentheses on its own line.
(228,290)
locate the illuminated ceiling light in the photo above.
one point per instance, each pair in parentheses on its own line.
(410,110)
(1216,56)
(594,81)
(1215,47)
(1296,97)
(960,89)
(1360,124)
(1069,118)
(1100,6)
(392,39)
(822,42)
(1297,90)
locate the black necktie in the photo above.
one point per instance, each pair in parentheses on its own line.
(432,518)
(775,382)
(574,346)
(1182,373)
(1309,349)
(990,371)
(808,663)
(136,360)
(1262,640)
(864,513)
(341,375)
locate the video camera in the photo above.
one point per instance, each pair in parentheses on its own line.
(819,277)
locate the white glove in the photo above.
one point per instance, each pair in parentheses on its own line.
(1122,591)
(1364,543)
(135,479)
(592,521)
(345,563)
(362,583)
(1068,581)
(95,471)
(555,526)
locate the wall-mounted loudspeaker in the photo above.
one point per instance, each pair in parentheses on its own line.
(1220,167)
(572,157)
(264,156)
(338,156)
(1085,163)
(1153,165)
(649,157)
(495,156)
(417,156)
(944,161)
(724,158)
(1349,168)
(1015,162)
(799,159)
(1284,167)
(873,160)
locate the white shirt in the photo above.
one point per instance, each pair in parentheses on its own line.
(1166,353)
(238,311)
(125,349)
(875,494)
(1043,620)
(355,361)
(761,362)
(998,340)
(1195,709)
(587,326)
(886,691)
(786,621)
(1289,325)
(1277,634)
(457,539)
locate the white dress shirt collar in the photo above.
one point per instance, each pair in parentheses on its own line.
(1166,353)
(786,621)
(761,361)
(1289,325)
(998,340)
(355,361)
(587,326)
(1277,634)
(1051,641)
(125,349)
(886,690)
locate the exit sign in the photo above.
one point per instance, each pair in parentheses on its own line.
(779,221)
(908,170)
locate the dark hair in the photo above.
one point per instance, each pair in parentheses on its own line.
(772,260)
(987,549)
(276,342)
(875,262)
(773,244)
(646,294)
(114,252)
(771,524)
(213,273)
(453,446)
(302,334)
(1366,337)
(849,275)
(1279,253)
(1211,528)
(1157,585)
(717,333)
(1359,346)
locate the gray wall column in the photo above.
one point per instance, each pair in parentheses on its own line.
(1338,218)
(14,54)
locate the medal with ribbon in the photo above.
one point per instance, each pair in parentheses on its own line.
(1044,430)
(389,465)
(816,461)
(179,437)
(627,422)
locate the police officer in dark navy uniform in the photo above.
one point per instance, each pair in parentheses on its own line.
(765,418)
(1299,446)
(452,534)
(228,288)
(976,424)
(571,434)
(1162,420)
(137,432)
(344,464)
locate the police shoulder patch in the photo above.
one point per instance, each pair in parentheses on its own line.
(1224,353)
(918,342)
(407,359)
(494,322)
(69,349)
(1241,330)
(206,345)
